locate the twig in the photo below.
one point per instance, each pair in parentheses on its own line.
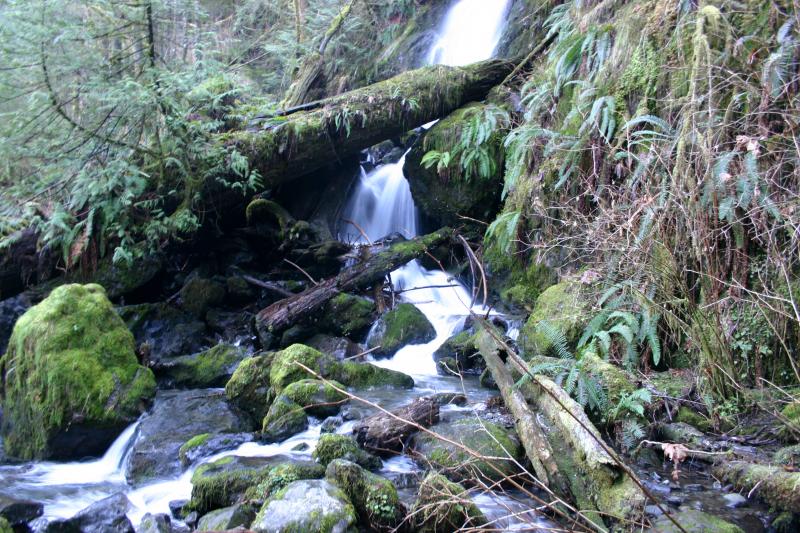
(266,285)
(362,354)
(360,230)
(306,274)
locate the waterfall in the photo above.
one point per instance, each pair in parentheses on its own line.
(381,203)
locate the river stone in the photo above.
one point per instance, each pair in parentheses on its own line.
(348,316)
(227,518)
(166,331)
(71,381)
(176,417)
(10,310)
(220,483)
(337,347)
(311,506)
(211,368)
(18,512)
(249,389)
(284,419)
(108,515)
(206,445)
(374,497)
(693,521)
(199,294)
(159,523)
(443,506)
(461,348)
(403,325)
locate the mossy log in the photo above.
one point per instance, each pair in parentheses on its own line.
(285,148)
(385,434)
(284,313)
(597,481)
(772,484)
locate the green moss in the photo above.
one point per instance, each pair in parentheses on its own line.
(443,506)
(405,324)
(791,427)
(349,315)
(693,418)
(206,369)
(283,474)
(285,368)
(284,419)
(249,386)
(334,446)
(322,513)
(194,442)
(366,375)
(220,483)
(316,397)
(789,455)
(261,211)
(198,294)
(69,357)
(5,527)
(375,498)
(526,285)
(694,521)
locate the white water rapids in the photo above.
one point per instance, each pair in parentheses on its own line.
(381,205)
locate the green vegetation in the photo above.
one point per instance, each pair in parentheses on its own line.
(333,446)
(405,324)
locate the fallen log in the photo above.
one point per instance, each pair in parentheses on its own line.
(285,313)
(598,482)
(384,434)
(285,148)
(772,484)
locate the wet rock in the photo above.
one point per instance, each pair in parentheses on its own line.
(450,398)
(375,498)
(286,369)
(220,483)
(461,348)
(734,500)
(232,327)
(297,334)
(239,290)
(158,523)
(71,379)
(386,434)
(249,388)
(405,324)
(313,506)
(109,515)
(443,506)
(284,419)
(177,508)
(10,310)
(330,424)
(206,445)
(176,417)
(317,398)
(167,332)
(694,521)
(337,347)
(348,316)
(367,375)
(481,436)
(211,368)
(332,446)
(448,367)
(199,294)
(789,455)
(281,475)
(19,512)
(227,518)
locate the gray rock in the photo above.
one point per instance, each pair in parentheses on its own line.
(212,446)
(106,516)
(176,417)
(19,512)
(403,325)
(227,518)
(159,523)
(312,506)
(734,499)
(337,347)
(168,332)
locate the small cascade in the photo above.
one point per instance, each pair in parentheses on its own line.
(470,32)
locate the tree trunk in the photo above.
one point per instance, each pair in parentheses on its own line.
(284,313)
(385,435)
(287,147)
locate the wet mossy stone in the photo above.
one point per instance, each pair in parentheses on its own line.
(374,497)
(403,325)
(694,521)
(198,294)
(791,422)
(285,368)
(789,455)
(108,515)
(348,316)
(443,506)
(220,483)
(316,397)
(70,378)
(207,444)
(333,446)
(307,506)
(339,348)
(284,419)
(693,418)
(460,347)
(167,332)
(5,527)
(249,387)
(211,368)
(525,285)
(227,518)
(281,475)
(481,436)
(367,375)
(158,523)
(565,306)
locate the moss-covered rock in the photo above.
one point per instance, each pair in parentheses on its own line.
(443,506)
(307,506)
(333,446)
(318,398)
(524,286)
(70,378)
(481,436)
(220,483)
(285,368)
(5,527)
(191,444)
(375,498)
(211,368)
(198,294)
(249,386)
(367,375)
(694,521)
(284,419)
(791,422)
(227,518)
(567,306)
(461,349)
(261,211)
(283,474)
(349,316)
(207,444)
(693,418)
(789,456)
(405,324)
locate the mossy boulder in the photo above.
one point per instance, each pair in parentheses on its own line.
(220,483)
(693,418)
(283,474)
(481,436)
(227,518)
(525,285)
(443,506)
(261,211)
(208,444)
(5,527)
(249,386)
(791,422)
(198,294)
(307,506)
(70,378)
(461,349)
(375,498)
(284,419)
(211,368)
(694,521)
(566,306)
(348,315)
(333,446)
(367,375)
(286,367)
(788,456)
(405,324)
(318,398)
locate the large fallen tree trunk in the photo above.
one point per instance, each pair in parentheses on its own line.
(289,146)
(384,434)
(597,481)
(284,313)
(772,484)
